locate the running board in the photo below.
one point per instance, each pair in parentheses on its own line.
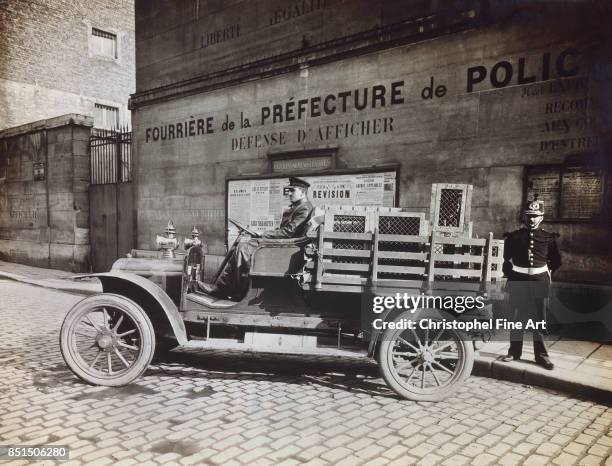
(230,344)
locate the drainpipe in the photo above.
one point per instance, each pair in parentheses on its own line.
(72,173)
(44,135)
(118,139)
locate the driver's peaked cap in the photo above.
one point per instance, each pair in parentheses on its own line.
(298,183)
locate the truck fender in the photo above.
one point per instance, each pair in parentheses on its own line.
(386,316)
(154,301)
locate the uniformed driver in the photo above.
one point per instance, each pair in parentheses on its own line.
(233,280)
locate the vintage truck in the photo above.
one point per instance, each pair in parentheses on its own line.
(310,295)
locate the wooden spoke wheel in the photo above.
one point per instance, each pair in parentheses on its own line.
(425,365)
(107,340)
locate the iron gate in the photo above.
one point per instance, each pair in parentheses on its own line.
(110,156)
(111,216)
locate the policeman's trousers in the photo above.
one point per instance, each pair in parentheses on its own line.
(528,295)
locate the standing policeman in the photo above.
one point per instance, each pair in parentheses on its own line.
(530,257)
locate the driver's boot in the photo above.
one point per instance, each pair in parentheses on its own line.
(222,286)
(211,290)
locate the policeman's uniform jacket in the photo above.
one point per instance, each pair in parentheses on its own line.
(294,223)
(529,254)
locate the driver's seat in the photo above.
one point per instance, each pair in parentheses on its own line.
(278,257)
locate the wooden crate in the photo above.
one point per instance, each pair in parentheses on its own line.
(400,248)
(450,209)
(428,258)
(347,241)
(472,259)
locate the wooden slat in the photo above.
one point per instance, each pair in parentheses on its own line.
(343,279)
(346,252)
(342,288)
(401,269)
(457,273)
(342,266)
(404,238)
(395,283)
(419,256)
(466,292)
(319,272)
(460,241)
(342,235)
(375,256)
(442,286)
(500,258)
(382,282)
(458,258)
(269,274)
(431,265)
(489,253)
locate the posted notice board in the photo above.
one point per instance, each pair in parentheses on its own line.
(259,203)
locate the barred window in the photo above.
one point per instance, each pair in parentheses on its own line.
(106,117)
(104,43)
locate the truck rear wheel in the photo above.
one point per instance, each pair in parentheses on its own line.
(107,339)
(424,365)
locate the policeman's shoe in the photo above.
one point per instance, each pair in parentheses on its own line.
(545,362)
(510,357)
(211,290)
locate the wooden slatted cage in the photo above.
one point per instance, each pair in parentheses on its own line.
(360,245)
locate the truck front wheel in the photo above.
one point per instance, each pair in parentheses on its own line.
(107,339)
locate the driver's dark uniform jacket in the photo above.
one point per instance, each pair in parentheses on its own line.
(294,224)
(530,257)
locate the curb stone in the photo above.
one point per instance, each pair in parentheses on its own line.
(70,286)
(564,380)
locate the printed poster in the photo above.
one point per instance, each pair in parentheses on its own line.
(581,194)
(545,184)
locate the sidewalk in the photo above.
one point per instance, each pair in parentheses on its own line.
(582,368)
(49,278)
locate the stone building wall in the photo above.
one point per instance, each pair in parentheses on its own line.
(44,215)
(47,67)
(473,97)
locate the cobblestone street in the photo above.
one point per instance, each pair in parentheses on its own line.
(213,408)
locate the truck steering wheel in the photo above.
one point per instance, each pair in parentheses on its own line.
(243,228)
